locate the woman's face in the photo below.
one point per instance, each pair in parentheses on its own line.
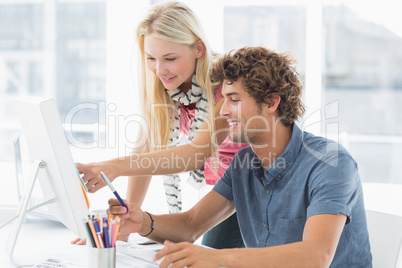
(173,63)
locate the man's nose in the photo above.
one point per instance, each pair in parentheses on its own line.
(224,109)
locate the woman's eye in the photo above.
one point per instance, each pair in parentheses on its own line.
(170,59)
(150,58)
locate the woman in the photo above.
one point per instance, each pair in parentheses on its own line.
(177,96)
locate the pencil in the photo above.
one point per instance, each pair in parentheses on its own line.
(109,224)
(116,228)
(106,233)
(112,232)
(91,225)
(108,219)
(90,237)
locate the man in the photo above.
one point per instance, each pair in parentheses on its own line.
(298,197)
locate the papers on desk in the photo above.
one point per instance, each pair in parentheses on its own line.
(53,263)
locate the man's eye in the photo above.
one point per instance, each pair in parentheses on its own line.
(235,100)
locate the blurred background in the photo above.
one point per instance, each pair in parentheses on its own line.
(82,53)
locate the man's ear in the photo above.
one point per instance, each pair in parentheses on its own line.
(199,48)
(273,103)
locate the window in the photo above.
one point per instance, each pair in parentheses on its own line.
(362,72)
(52,49)
(349,59)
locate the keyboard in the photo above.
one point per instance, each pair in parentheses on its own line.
(139,252)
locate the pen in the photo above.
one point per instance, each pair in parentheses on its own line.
(113,190)
(98,232)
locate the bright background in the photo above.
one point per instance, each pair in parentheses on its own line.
(83,53)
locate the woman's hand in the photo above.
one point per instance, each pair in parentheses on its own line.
(92,177)
(78,241)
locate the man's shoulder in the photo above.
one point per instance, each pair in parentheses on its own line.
(243,159)
(323,148)
(244,152)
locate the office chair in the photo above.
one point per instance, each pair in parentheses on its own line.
(385,232)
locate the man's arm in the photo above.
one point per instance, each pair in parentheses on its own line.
(187,226)
(317,249)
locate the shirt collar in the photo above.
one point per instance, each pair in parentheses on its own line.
(288,157)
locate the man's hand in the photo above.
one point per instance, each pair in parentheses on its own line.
(131,222)
(186,254)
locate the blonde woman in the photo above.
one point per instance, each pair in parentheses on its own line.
(177,96)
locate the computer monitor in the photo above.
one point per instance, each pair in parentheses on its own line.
(53,167)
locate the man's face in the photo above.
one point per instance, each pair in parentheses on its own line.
(246,121)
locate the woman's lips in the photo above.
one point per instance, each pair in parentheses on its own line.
(168,80)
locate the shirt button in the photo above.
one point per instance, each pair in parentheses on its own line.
(267,191)
(265,225)
(279,176)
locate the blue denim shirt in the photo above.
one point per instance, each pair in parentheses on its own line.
(312,176)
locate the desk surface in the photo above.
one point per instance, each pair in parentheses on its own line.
(42,239)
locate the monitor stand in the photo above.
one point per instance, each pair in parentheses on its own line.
(23,207)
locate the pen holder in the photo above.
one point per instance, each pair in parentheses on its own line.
(102,257)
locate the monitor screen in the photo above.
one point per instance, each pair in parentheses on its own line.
(46,141)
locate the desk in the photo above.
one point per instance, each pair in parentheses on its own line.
(41,239)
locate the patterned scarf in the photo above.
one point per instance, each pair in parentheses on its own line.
(172,183)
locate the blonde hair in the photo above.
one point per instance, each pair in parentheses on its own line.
(173,22)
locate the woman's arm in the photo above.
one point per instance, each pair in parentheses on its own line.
(137,189)
(182,158)
(138,185)
(170,161)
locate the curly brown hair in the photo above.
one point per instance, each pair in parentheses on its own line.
(264,72)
